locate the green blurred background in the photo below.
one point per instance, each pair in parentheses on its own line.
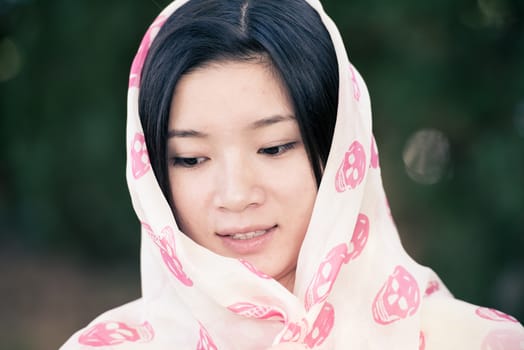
(446,80)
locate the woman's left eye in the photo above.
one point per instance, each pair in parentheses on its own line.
(188,162)
(277,150)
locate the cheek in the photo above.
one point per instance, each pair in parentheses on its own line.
(297,185)
(299,176)
(188,195)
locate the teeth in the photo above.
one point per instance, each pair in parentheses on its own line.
(248,235)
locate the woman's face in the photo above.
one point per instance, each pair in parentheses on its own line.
(241,182)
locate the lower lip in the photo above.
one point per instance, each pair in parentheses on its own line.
(248,246)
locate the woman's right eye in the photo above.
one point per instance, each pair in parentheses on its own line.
(188,162)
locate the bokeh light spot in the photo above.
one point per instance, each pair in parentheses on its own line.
(10,60)
(495,12)
(426,156)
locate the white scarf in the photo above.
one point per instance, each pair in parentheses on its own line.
(355,287)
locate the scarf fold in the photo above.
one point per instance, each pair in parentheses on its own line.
(355,287)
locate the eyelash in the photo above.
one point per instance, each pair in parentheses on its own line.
(188,162)
(280,149)
(274,151)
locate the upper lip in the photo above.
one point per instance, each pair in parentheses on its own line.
(246,229)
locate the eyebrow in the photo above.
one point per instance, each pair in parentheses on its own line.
(261,123)
(186,133)
(271,120)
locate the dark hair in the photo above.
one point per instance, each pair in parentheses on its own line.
(289,34)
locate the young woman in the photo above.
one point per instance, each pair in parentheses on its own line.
(253,170)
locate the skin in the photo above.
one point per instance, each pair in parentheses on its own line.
(237,164)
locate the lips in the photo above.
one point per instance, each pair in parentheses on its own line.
(246,233)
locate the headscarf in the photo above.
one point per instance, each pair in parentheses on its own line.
(355,286)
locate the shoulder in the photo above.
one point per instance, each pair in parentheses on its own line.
(133,326)
(449,323)
(113,327)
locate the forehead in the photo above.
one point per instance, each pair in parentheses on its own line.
(228,92)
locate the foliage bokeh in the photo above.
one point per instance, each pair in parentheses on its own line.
(455,67)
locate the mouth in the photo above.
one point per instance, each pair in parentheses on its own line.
(249,235)
(242,235)
(241,242)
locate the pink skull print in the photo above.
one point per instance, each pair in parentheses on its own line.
(166,242)
(421,341)
(138,62)
(352,169)
(354,82)
(504,339)
(205,342)
(293,331)
(253,269)
(260,312)
(398,298)
(432,287)
(115,333)
(322,326)
(139,158)
(319,288)
(494,315)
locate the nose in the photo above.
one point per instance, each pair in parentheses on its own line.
(238,186)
